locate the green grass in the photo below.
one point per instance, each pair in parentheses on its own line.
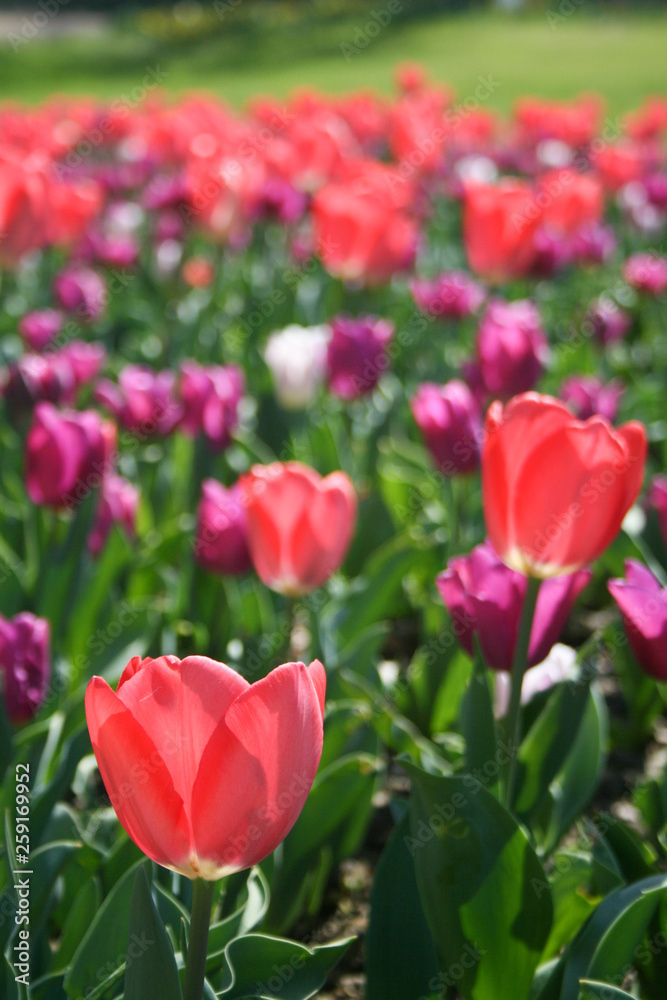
(621,56)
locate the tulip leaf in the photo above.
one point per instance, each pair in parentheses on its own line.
(44,801)
(400,953)
(475,871)
(79,919)
(46,863)
(478,725)
(607,940)
(575,784)
(602,991)
(547,745)
(101,953)
(574,901)
(243,919)
(150,968)
(257,965)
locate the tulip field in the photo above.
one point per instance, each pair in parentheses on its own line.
(333,548)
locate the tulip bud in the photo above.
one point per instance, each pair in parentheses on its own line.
(453,295)
(40,327)
(25,663)
(646,272)
(449,418)
(82,291)
(512,347)
(118,504)
(211,397)
(221,544)
(587,396)
(144,401)
(297,357)
(643,606)
(356,354)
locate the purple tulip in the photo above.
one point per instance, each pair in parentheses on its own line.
(587,395)
(25,663)
(453,295)
(484,596)
(643,606)
(118,504)
(221,545)
(84,360)
(512,348)
(40,327)
(449,419)
(36,378)
(593,244)
(357,354)
(610,323)
(646,272)
(144,401)
(278,199)
(115,250)
(82,291)
(211,397)
(68,455)
(657,497)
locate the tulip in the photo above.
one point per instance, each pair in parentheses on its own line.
(512,348)
(555,489)
(85,360)
(657,497)
(571,199)
(357,354)
(143,401)
(450,421)
(118,504)
(82,291)
(608,321)
(643,606)
(485,597)
(68,454)
(587,396)
(211,397)
(25,663)
(297,357)
(299,524)
(40,327)
(364,224)
(453,295)
(499,226)
(207,773)
(593,244)
(221,544)
(37,378)
(646,272)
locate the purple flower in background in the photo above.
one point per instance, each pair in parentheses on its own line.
(587,395)
(25,663)
(82,291)
(452,295)
(512,348)
(144,401)
(84,360)
(646,272)
(449,419)
(643,606)
(220,544)
(610,323)
(38,328)
(593,244)
(36,378)
(211,397)
(118,504)
(357,354)
(484,596)
(280,200)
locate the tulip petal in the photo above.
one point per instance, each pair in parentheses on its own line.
(136,778)
(257,770)
(179,703)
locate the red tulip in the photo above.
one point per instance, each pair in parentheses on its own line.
(556,489)
(499,226)
(207,773)
(299,525)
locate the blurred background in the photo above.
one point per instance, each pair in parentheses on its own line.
(241,48)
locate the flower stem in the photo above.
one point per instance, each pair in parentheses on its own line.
(195,965)
(519,666)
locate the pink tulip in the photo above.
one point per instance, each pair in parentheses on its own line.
(25,663)
(221,545)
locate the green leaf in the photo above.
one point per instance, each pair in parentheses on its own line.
(603,991)
(478,724)
(79,919)
(606,942)
(573,900)
(261,966)
(101,953)
(44,801)
(245,918)
(150,965)
(476,872)
(400,953)
(547,744)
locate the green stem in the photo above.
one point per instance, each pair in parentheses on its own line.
(512,724)
(195,965)
(453,519)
